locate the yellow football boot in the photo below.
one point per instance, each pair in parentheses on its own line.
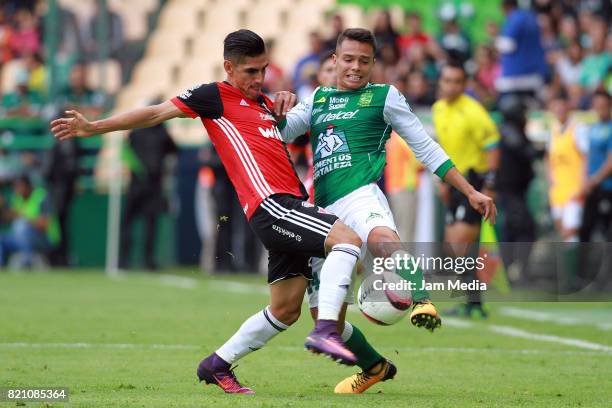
(424,314)
(359,382)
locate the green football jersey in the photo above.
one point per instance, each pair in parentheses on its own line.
(348,133)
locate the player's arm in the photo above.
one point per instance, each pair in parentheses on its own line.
(76,125)
(297,120)
(397,113)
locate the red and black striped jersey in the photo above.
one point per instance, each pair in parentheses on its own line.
(247,140)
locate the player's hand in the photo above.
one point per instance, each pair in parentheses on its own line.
(75,125)
(484,205)
(283,102)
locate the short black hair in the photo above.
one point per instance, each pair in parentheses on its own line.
(561,94)
(454,64)
(357,34)
(242,43)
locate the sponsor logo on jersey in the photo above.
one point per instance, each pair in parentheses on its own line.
(243,103)
(320,100)
(266,116)
(327,117)
(270,133)
(365,99)
(329,142)
(287,233)
(307,204)
(336,102)
(331,152)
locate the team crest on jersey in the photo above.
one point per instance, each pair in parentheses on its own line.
(329,142)
(365,99)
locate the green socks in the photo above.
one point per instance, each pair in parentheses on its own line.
(417,281)
(367,357)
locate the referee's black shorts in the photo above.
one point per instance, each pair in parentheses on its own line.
(293,231)
(459,208)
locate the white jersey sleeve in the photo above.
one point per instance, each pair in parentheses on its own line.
(398,115)
(297,121)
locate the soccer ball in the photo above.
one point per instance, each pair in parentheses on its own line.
(384,299)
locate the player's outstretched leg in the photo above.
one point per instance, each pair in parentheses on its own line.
(424,313)
(375,368)
(335,280)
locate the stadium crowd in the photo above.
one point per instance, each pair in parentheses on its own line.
(555,55)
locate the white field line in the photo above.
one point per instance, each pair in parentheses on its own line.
(182,282)
(568,341)
(99,345)
(540,316)
(238,287)
(133,346)
(516,332)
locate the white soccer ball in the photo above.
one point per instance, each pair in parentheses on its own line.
(385,298)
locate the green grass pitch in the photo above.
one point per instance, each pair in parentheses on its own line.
(135,341)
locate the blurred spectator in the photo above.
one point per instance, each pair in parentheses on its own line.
(598,186)
(567,73)
(78,96)
(60,171)
(6,53)
(148,149)
(595,66)
(454,41)
(25,39)
(114,32)
(23,102)
(522,58)
(418,60)
(9,167)
(385,32)
(488,70)
(275,80)
(33,227)
(549,38)
(513,178)
(37,73)
(337,23)
(568,30)
(71,45)
(565,164)
(306,66)
(418,91)
(414,35)
(385,69)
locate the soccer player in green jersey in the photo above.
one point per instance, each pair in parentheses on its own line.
(349,126)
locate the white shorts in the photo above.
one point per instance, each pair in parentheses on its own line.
(363,210)
(570,214)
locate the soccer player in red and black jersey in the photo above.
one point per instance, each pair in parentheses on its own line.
(241,123)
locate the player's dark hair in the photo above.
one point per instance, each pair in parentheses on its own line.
(510,3)
(454,64)
(242,43)
(325,56)
(357,34)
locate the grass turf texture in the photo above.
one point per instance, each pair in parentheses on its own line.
(122,321)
